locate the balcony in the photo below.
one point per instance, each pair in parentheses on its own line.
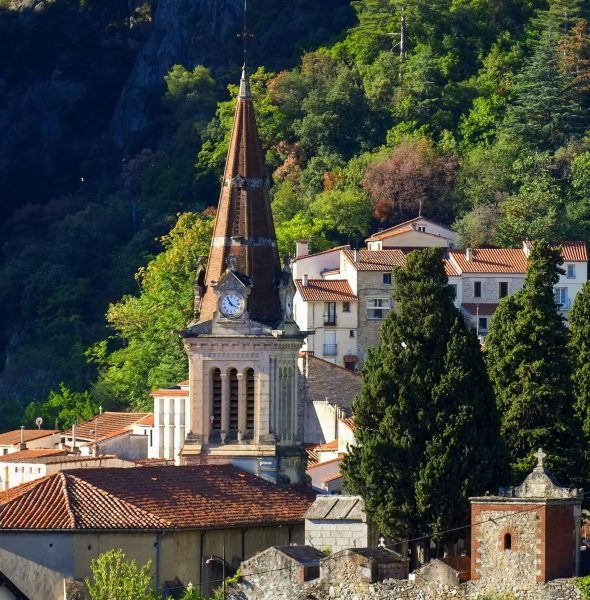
(330,349)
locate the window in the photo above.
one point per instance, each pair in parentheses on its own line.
(421,227)
(507,541)
(477,289)
(329,313)
(571,271)
(330,343)
(482,325)
(351,333)
(377,308)
(346,307)
(502,289)
(561,298)
(387,278)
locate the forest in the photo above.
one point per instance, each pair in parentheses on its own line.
(474,112)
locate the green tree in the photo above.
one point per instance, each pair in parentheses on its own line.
(426,426)
(527,360)
(114,577)
(579,352)
(545,111)
(190,93)
(151,353)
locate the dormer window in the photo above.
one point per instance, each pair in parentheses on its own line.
(421,228)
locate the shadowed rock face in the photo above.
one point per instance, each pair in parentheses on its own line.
(82,81)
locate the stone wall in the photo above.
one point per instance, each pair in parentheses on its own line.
(274,586)
(338,535)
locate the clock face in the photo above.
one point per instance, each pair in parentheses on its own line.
(232,305)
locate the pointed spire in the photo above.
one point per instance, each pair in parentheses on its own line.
(244,228)
(244,92)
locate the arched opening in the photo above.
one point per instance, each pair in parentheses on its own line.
(215,401)
(249,399)
(507,541)
(234,400)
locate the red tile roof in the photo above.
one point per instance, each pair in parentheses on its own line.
(170,392)
(450,269)
(333,445)
(336,249)
(491,260)
(511,260)
(151,498)
(325,462)
(147,421)
(391,230)
(574,251)
(483,310)
(349,422)
(107,425)
(332,477)
(10,438)
(326,290)
(32,455)
(377,260)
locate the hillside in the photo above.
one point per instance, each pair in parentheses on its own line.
(475,112)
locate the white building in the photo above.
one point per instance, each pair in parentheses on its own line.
(415,233)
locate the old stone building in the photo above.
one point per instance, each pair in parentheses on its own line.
(527,534)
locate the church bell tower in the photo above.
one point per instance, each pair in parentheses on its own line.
(243,344)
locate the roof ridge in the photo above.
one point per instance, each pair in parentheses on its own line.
(64,488)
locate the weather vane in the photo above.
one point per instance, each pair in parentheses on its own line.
(244,35)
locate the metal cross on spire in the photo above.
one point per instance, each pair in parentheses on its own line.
(244,35)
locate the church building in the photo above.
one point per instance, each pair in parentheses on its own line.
(243,343)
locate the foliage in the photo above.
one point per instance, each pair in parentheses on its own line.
(114,577)
(583,584)
(527,361)
(151,354)
(425,404)
(415,176)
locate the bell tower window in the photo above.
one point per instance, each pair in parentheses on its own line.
(216,400)
(233,400)
(250,399)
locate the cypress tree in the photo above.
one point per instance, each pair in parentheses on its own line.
(425,427)
(526,355)
(579,352)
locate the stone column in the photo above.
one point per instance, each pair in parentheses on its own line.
(241,403)
(224,403)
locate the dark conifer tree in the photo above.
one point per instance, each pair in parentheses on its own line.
(427,436)
(579,352)
(526,355)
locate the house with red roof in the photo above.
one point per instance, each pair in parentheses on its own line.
(19,439)
(175,517)
(415,233)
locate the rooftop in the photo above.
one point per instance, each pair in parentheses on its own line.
(150,498)
(11,438)
(326,290)
(405,227)
(33,455)
(349,508)
(107,425)
(376,260)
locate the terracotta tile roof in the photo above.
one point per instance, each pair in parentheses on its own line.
(332,477)
(574,251)
(333,445)
(185,382)
(390,231)
(32,455)
(312,457)
(170,392)
(349,422)
(377,260)
(326,290)
(147,421)
(491,260)
(70,458)
(336,249)
(107,425)
(484,309)
(450,269)
(10,438)
(511,260)
(151,498)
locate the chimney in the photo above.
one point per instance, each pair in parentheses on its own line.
(526,247)
(74,438)
(357,255)
(301,248)
(469,254)
(22,445)
(304,280)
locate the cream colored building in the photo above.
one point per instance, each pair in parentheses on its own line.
(20,439)
(415,233)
